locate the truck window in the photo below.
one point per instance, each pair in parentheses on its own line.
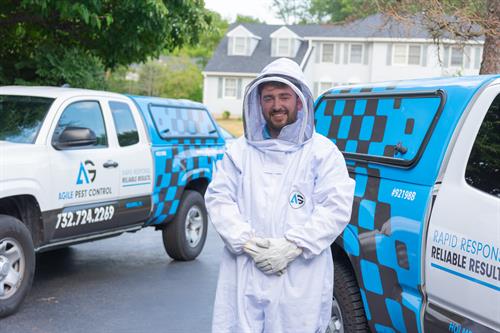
(388,128)
(124,124)
(86,114)
(174,122)
(483,167)
(21,117)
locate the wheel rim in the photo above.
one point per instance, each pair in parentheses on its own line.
(336,324)
(194,226)
(12,266)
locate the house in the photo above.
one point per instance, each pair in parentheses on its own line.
(373,49)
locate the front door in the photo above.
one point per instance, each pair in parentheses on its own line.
(84,179)
(462,268)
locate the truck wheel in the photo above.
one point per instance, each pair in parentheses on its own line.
(185,236)
(17,264)
(348,313)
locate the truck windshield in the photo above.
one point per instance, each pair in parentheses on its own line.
(21,117)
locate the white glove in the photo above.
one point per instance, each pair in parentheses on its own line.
(255,246)
(277,256)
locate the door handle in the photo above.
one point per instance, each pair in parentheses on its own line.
(110,164)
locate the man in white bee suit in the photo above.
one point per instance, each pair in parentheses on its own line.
(279,198)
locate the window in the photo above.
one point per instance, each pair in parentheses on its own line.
(382,136)
(124,124)
(230,88)
(457,57)
(414,52)
(399,54)
(405,54)
(283,47)
(327,52)
(86,114)
(174,122)
(21,117)
(240,46)
(356,54)
(483,167)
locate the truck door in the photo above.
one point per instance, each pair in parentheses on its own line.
(462,267)
(84,178)
(135,162)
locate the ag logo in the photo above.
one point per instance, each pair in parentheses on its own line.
(296,200)
(86,170)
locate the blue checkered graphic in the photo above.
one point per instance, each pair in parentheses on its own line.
(384,237)
(185,147)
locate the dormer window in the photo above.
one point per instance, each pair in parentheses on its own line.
(284,43)
(240,46)
(241,42)
(283,47)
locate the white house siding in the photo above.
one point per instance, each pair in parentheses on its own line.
(375,67)
(217,105)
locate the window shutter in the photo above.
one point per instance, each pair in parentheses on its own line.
(446,58)
(274,45)
(477,57)
(424,54)
(346,52)
(317,51)
(467,54)
(367,50)
(230,46)
(238,92)
(389,54)
(219,88)
(337,53)
(248,50)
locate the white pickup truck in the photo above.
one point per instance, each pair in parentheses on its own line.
(79,165)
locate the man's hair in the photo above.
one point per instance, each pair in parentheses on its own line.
(274,84)
(279,84)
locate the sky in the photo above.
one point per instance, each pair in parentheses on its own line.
(260,9)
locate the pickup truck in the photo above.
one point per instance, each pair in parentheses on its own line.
(422,250)
(79,165)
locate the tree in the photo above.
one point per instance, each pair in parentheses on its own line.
(461,20)
(54,42)
(247,19)
(291,11)
(333,11)
(208,41)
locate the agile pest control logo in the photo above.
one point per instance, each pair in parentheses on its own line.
(296,200)
(86,173)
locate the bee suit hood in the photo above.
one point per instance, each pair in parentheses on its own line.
(292,136)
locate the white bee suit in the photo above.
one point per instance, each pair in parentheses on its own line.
(295,186)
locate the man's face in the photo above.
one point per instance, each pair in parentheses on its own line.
(279,106)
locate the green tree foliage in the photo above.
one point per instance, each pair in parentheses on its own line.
(247,19)
(322,11)
(333,11)
(172,77)
(208,41)
(55,42)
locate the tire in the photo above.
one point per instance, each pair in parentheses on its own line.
(184,237)
(348,313)
(17,255)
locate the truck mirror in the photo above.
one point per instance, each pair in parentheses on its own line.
(73,136)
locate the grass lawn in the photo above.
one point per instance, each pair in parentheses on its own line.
(233,126)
